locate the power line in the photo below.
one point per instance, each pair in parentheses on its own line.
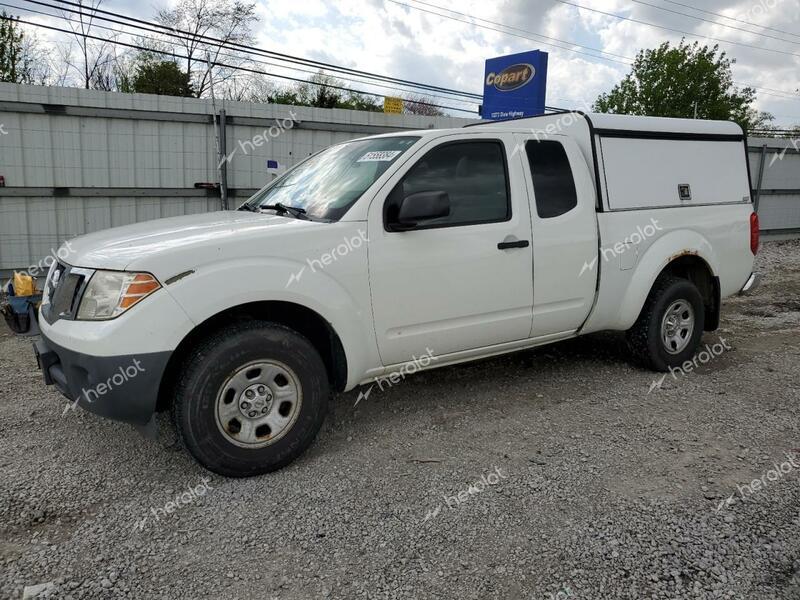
(139,35)
(513,34)
(269,53)
(240,68)
(180,34)
(683,14)
(785,93)
(766,93)
(174,33)
(708,12)
(694,35)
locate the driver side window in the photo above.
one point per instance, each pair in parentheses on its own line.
(472,174)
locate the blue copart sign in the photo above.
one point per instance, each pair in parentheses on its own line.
(515,85)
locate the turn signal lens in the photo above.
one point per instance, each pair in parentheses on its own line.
(142,286)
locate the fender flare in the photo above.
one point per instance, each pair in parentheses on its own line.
(205,294)
(651,264)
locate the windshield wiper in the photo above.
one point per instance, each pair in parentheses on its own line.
(295,211)
(247,207)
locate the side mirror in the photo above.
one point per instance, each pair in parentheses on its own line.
(422,206)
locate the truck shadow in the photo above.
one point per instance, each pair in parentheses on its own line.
(527,370)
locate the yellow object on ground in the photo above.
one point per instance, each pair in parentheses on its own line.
(24,284)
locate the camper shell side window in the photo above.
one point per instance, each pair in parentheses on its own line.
(553,182)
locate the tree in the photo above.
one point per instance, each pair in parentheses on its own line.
(324,91)
(421,105)
(40,64)
(96,56)
(163,77)
(320,92)
(15,53)
(356,101)
(25,59)
(115,73)
(250,88)
(227,20)
(684,81)
(287,96)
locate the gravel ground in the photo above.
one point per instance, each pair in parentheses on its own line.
(563,472)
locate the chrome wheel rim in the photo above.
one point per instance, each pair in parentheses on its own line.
(677,326)
(258,404)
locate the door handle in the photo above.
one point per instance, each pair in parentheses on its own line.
(516,244)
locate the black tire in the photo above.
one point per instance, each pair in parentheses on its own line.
(644,338)
(210,367)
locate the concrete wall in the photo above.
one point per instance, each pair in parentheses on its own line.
(76,161)
(779,198)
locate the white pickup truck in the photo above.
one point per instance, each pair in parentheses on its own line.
(450,244)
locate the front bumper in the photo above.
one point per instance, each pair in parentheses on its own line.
(122,388)
(751,284)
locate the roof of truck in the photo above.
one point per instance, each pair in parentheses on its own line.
(623,123)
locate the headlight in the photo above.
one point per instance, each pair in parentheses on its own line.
(111,293)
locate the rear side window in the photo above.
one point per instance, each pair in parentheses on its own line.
(553,183)
(472,173)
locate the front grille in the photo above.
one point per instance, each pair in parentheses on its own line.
(64,295)
(63,289)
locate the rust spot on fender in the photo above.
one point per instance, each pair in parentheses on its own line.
(683,253)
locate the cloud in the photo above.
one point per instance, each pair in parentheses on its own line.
(394,39)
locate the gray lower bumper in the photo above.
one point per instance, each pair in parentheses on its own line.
(751,284)
(122,388)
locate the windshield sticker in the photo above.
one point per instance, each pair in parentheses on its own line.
(380,156)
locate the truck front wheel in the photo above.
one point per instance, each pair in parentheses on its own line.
(251,399)
(668,330)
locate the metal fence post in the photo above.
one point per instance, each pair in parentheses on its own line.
(760,177)
(223,160)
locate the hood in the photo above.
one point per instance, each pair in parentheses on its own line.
(146,242)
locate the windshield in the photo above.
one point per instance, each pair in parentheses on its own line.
(326,185)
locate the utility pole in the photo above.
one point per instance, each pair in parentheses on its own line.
(219,141)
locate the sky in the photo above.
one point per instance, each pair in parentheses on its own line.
(406,39)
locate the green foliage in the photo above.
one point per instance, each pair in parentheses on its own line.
(323,91)
(683,81)
(162,77)
(355,101)
(285,96)
(15,63)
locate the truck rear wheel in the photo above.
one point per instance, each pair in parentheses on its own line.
(668,330)
(251,399)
